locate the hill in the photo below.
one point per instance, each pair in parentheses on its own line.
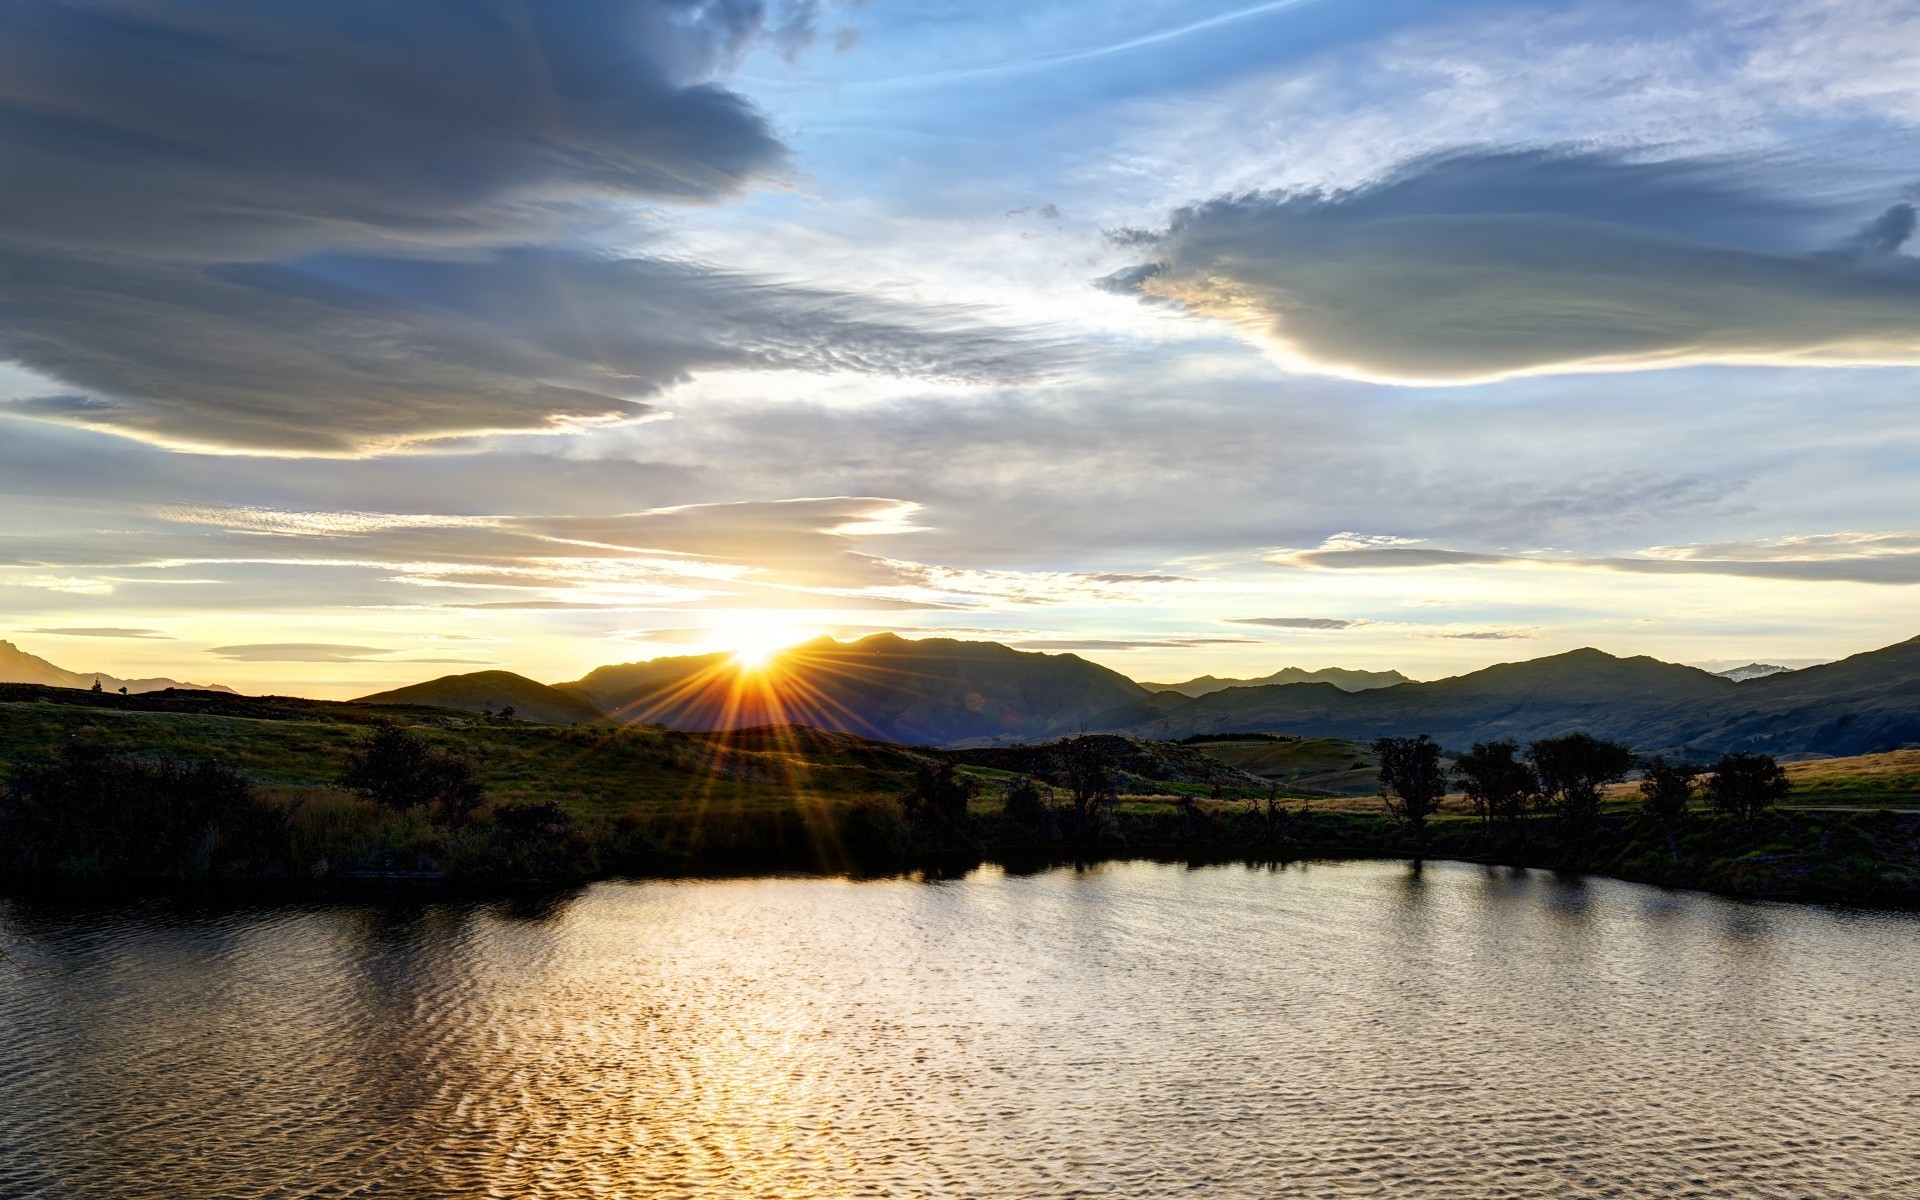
(1864,704)
(1340,677)
(1752,671)
(1304,766)
(492,691)
(17,666)
(933,691)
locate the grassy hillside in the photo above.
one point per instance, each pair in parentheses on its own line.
(1868,780)
(1306,766)
(648,800)
(490,692)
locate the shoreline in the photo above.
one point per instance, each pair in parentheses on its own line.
(1763,872)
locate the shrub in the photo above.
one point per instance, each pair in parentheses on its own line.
(90,811)
(399,770)
(940,794)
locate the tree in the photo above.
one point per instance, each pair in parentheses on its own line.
(96,684)
(398,769)
(940,793)
(1746,784)
(507,713)
(1411,781)
(1022,804)
(1572,770)
(1497,780)
(1084,768)
(1666,790)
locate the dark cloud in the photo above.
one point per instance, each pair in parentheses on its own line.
(342,355)
(230,127)
(1479,266)
(1293,622)
(312,226)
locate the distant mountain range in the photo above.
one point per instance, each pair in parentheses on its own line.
(1340,677)
(933,691)
(17,666)
(1752,671)
(1865,703)
(943,692)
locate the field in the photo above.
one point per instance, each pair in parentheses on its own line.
(1302,766)
(647,800)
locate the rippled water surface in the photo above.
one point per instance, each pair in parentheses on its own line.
(1137,1030)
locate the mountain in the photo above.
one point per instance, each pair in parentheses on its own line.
(17,666)
(491,691)
(933,691)
(1752,671)
(1863,704)
(1340,677)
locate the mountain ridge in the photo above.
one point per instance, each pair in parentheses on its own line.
(1346,679)
(17,666)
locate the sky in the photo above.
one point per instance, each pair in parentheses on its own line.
(345,343)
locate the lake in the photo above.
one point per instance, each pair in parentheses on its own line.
(1350,1029)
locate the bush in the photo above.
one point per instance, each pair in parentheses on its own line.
(1021,803)
(93,812)
(399,770)
(939,796)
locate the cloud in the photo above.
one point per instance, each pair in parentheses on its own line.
(1294,622)
(311,652)
(349,227)
(1178,643)
(1848,557)
(105,632)
(349,355)
(237,128)
(1485,265)
(1491,635)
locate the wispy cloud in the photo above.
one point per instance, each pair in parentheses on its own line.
(1856,557)
(105,631)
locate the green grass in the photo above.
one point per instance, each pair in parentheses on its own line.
(645,800)
(1331,766)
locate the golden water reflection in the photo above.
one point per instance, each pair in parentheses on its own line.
(1138,1030)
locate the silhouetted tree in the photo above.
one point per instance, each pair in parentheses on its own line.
(1666,790)
(507,713)
(1746,785)
(96,685)
(1411,781)
(1572,770)
(940,794)
(1500,784)
(1022,804)
(1085,769)
(398,769)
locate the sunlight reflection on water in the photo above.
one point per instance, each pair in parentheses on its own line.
(1139,1030)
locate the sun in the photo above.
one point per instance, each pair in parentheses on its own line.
(752,640)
